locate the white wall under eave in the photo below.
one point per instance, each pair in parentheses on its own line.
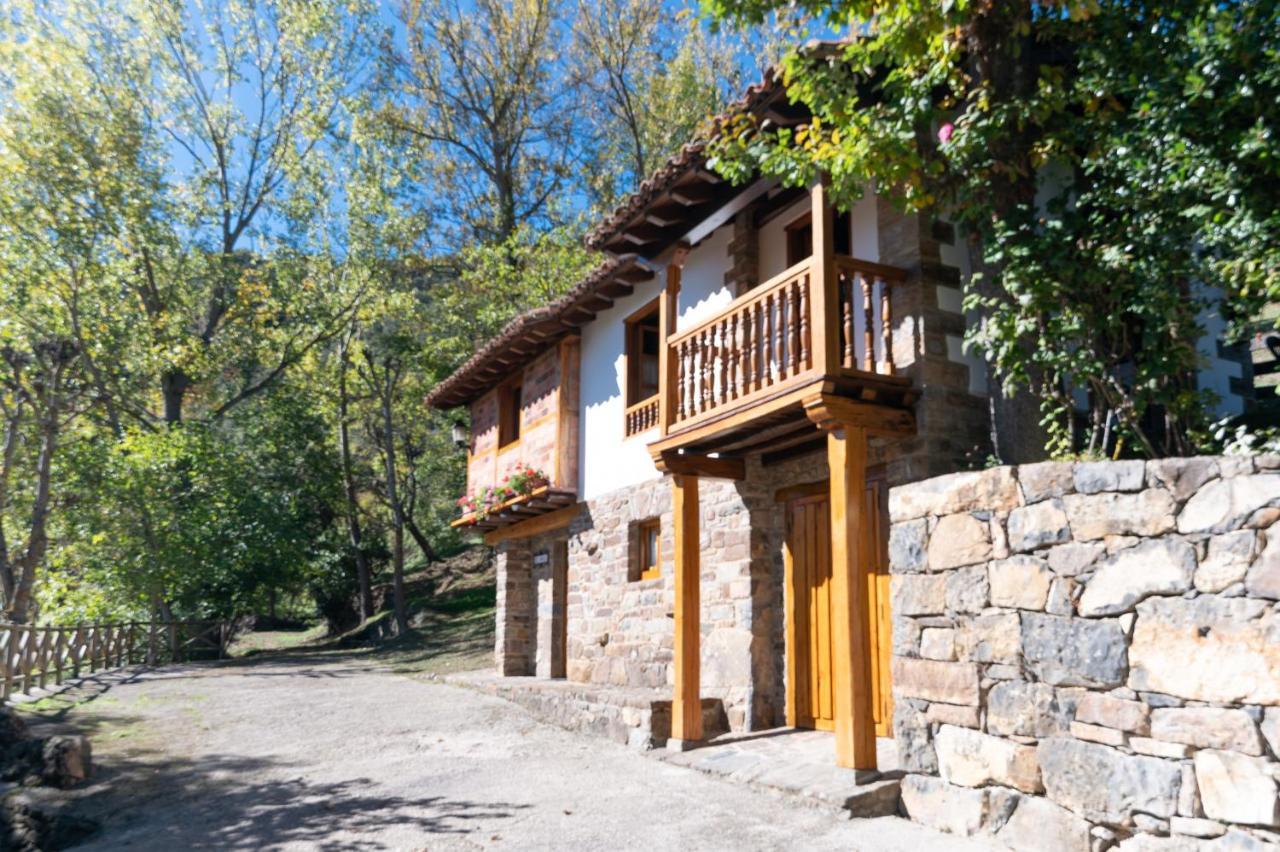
(703,293)
(773,236)
(607,459)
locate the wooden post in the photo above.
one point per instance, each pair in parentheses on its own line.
(11,637)
(686,705)
(668,367)
(824,298)
(850,604)
(59,652)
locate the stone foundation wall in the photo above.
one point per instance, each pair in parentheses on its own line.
(1088,654)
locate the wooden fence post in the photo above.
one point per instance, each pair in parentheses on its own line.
(10,639)
(60,650)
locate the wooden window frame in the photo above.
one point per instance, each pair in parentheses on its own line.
(631,349)
(843,233)
(648,565)
(510,405)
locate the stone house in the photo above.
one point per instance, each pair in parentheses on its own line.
(717,415)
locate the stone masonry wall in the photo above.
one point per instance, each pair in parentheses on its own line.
(1088,654)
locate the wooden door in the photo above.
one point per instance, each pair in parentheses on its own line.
(877,542)
(809,544)
(809,652)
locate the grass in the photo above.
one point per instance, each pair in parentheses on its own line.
(451,608)
(274,640)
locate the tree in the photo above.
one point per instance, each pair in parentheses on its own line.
(65,200)
(237,104)
(1104,159)
(38,397)
(478,94)
(652,81)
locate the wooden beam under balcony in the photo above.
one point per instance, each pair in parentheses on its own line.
(825,409)
(692,464)
(535,525)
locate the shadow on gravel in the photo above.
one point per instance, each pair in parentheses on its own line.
(148,801)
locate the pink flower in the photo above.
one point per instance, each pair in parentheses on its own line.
(945,131)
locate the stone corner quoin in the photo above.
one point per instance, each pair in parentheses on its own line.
(1085,652)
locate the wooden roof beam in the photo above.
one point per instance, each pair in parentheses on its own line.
(689,196)
(641,234)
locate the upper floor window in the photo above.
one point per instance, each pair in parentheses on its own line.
(800,237)
(642,354)
(509,404)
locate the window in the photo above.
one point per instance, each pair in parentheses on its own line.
(642,354)
(649,549)
(509,402)
(800,237)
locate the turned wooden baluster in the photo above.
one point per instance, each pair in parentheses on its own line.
(804,322)
(766,332)
(695,372)
(846,318)
(760,334)
(869,328)
(720,378)
(780,352)
(748,344)
(886,328)
(680,375)
(793,328)
(704,372)
(735,356)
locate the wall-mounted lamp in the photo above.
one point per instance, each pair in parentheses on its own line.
(460,438)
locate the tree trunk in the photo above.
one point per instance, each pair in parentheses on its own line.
(428,551)
(393,496)
(24,568)
(354,533)
(173,387)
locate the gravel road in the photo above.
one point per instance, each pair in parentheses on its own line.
(334,751)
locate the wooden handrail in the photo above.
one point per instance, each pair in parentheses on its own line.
(30,655)
(892,274)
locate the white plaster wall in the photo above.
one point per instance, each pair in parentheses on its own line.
(773,236)
(607,459)
(773,239)
(703,293)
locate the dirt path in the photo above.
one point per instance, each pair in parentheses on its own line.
(335,751)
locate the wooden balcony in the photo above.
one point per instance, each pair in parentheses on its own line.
(737,381)
(522,507)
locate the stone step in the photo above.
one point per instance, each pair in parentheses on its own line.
(823,785)
(640,718)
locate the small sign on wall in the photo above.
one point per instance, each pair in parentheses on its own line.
(542,557)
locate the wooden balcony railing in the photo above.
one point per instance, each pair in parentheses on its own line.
(865,315)
(642,416)
(764,341)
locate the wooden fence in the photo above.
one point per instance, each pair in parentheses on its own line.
(36,656)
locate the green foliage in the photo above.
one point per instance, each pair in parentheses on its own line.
(260,236)
(1110,162)
(237,513)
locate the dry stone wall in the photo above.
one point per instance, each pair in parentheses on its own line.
(1088,655)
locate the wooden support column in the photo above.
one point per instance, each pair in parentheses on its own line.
(823,287)
(686,704)
(668,369)
(850,601)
